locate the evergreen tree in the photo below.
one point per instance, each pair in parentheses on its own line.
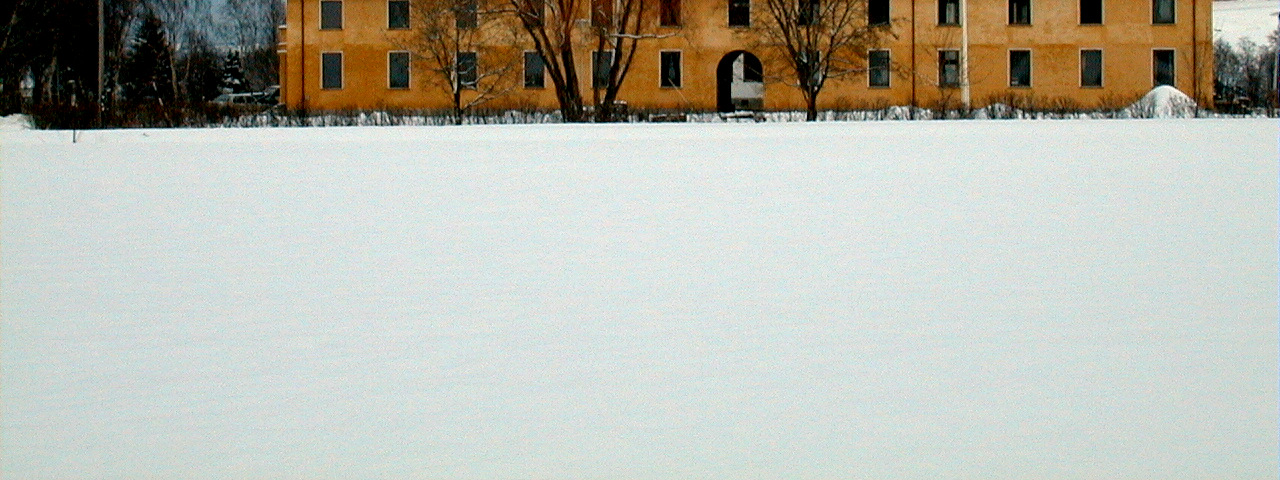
(233,75)
(148,71)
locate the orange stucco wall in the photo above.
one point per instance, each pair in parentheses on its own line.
(1055,38)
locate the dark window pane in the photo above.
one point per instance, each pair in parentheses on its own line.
(809,13)
(670,69)
(397,14)
(468,74)
(669,13)
(1164,69)
(601,13)
(330,14)
(949,68)
(1019,12)
(948,12)
(467,14)
(1090,12)
(601,62)
(1162,11)
(879,63)
(739,13)
(1091,68)
(398,70)
(534,75)
(331,71)
(878,12)
(1019,68)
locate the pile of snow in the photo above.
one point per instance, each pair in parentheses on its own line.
(15,122)
(1251,19)
(1164,102)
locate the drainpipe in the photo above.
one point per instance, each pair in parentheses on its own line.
(964,53)
(302,53)
(913,60)
(1195,55)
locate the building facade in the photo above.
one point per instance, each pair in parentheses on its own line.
(351,54)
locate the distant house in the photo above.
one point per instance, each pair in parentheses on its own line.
(338,54)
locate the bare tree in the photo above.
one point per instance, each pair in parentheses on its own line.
(455,39)
(250,27)
(820,40)
(613,27)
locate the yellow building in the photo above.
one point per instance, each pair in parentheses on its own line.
(348,54)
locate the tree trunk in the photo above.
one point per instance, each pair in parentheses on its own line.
(811,106)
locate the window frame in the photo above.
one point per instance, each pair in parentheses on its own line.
(1029,12)
(743,5)
(342,65)
(888,68)
(407,14)
(1173,6)
(342,15)
(670,13)
(1102,12)
(542,78)
(1102,71)
(463,84)
(888,13)
(600,78)
(1173,67)
(662,69)
(942,83)
(1030,68)
(408,70)
(942,10)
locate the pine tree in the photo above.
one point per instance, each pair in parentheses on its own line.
(148,74)
(233,74)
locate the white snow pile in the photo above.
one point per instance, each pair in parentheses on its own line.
(15,122)
(1163,102)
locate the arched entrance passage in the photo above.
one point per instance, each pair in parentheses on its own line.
(739,82)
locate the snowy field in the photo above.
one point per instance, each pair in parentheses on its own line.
(1252,19)
(893,300)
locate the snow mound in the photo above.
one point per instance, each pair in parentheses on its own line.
(1164,102)
(15,122)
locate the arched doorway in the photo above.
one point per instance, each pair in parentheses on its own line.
(739,82)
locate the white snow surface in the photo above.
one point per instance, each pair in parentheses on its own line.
(891,300)
(1252,19)
(1164,101)
(15,122)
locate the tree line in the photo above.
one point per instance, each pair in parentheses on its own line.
(156,53)
(1245,74)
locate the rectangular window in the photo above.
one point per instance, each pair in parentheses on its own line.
(1091,12)
(878,12)
(601,63)
(1019,68)
(331,70)
(330,15)
(1162,11)
(948,12)
(467,70)
(398,70)
(739,13)
(669,13)
(1091,68)
(949,68)
(397,14)
(1162,63)
(467,14)
(810,11)
(878,61)
(670,69)
(1019,12)
(534,71)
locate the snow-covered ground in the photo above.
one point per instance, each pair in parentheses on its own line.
(1252,19)
(893,300)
